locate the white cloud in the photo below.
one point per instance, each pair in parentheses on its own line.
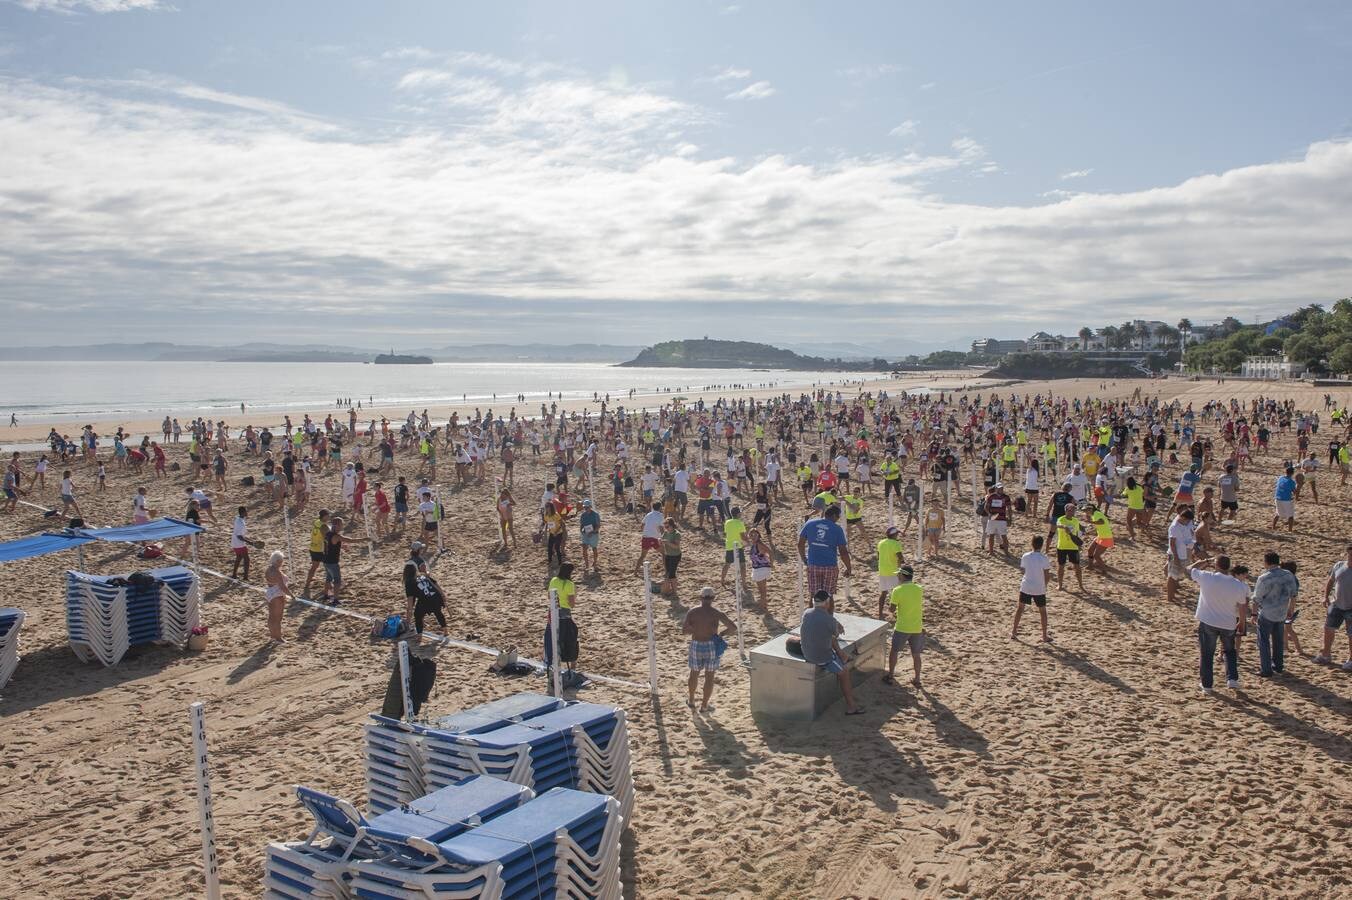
(929,85)
(96,6)
(163,200)
(865,73)
(730,10)
(731,73)
(905,129)
(1078,173)
(757,90)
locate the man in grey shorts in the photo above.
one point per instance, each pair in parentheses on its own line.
(1339,608)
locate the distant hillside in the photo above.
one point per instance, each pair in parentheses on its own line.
(707,354)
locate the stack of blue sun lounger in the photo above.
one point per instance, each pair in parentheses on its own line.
(584,746)
(106,615)
(563,843)
(322,865)
(396,759)
(11,620)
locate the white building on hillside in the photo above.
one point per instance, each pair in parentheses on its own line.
(1271,367)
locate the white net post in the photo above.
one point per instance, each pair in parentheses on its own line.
(948,488)
(554,643)
(370,530)
(741,648)
(290,556)
(196,565)
(436,498)
(652,627)
(891,516)
(197,718)
(920,529)
(405,683)
(802,584)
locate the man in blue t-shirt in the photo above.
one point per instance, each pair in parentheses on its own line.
(1285,497)
(820,542)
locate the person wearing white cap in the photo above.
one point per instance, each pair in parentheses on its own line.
(890,558)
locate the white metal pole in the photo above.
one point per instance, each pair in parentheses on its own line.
(554,643)
(290,556)
(366,520)
(436,498)
(196,566)
(405,685)
(652,628)
(920,529)
(948,488)
(802,583)
(199,745)
(891,517)
(741,649)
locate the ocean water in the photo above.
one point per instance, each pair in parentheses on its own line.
(55,392)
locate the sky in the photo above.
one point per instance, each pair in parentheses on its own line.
(888,174)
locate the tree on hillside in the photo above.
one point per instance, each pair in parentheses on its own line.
(1111,336)
(1086,334)
(1230,325)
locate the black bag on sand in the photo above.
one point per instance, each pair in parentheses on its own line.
(422,674)
(247,481)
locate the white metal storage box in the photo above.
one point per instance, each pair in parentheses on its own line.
(789,687)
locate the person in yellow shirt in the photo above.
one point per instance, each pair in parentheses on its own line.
(890,558)
(891,472)
(854,513)
(1135,495)
(908,599)
(734,544)
(1103,540)
(1090,463)
(1068,543)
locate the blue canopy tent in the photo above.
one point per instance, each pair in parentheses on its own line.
(55,542)
(40,545)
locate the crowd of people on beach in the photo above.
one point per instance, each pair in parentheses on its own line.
(846,477)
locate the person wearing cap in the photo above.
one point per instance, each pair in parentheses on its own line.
(997,518)
(702,624)
(1068,542)
(818,633)
(890,558)
(589,523)
(422,595)
(820,543)
(908,599)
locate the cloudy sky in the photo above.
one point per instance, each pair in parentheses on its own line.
(383,172)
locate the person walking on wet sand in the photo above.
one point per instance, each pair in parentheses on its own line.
(702,624)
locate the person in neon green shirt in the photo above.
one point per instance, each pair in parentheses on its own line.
(1103,540)
(1068,547)
(1008,455)
(854,513)
(908,599)
(890,557)
(1049,455)
(562,585)
(1135,494)
(734,544)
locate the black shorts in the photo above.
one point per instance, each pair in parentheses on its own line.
(316,556)
(429,526)
(1036,599)
(1068,556)
(669,564)
(1230,504)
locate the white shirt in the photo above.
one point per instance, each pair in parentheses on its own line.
(652,524)
(681,480)
(1079,485)
(842,465)
(238,533)
(1035,565)
(67,487)
(428,510)
(1030,483)
(1180,535)
(649,481)
(1220,595)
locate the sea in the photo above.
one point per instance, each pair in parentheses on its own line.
(75,392)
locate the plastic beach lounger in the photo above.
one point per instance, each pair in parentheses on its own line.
(561,843)
(318,865)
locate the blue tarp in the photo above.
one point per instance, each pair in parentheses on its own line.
(39,545)
(154,530)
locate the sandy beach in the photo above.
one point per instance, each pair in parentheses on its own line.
(1086,767)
